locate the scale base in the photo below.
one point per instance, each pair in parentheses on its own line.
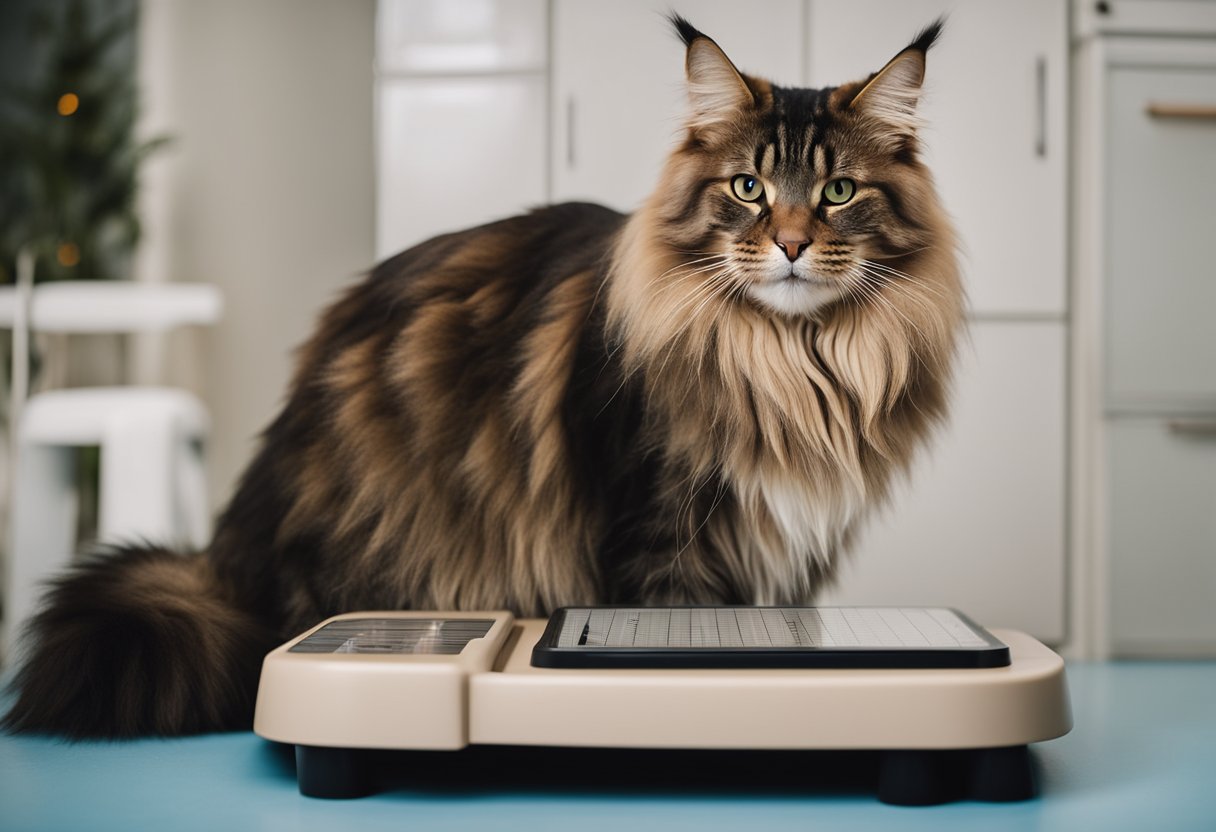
(927,736)
(900,777)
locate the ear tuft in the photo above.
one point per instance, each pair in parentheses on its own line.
(928,36)
(716,89)
(684,30)
(891,94)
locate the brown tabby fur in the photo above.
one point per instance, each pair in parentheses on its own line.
(567,407)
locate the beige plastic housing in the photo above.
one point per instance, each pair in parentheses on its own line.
(360,701)
(812,709)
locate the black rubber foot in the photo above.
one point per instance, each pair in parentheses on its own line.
(918,777)
(1002,774)
(928,777)
(335,773)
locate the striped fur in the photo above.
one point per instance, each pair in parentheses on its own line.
(567,407)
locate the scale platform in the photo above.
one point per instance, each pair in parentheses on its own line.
(950,706)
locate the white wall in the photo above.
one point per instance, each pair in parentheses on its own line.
(267,192)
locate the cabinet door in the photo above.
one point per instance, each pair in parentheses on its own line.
(456,152)
(618,84)
(980,523)
(994,107)
(1160,216)
(461,36)
(1161,535)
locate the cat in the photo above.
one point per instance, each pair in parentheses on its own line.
(697,403)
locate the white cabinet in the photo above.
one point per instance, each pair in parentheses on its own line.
(1161,214)
(995,135)
(1160,289)
(980,524)
(1162,535)
(618,84)
(1145,409)
(462,115)
(456,152)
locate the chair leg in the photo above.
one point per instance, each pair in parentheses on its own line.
(138,453)
(44,512)
(193,517)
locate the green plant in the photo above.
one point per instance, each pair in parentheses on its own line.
(69,174)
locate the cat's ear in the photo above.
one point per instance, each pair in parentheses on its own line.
(716,89)
(892,94)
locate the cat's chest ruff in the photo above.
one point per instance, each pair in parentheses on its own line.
(807,519)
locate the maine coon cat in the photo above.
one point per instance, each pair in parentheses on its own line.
(697,403)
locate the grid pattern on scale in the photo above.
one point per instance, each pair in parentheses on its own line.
(764,627)
(436,636)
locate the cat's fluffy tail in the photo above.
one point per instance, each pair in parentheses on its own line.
(137,642)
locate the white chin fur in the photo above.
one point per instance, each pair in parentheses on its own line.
(795,296)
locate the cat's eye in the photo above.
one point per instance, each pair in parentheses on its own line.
(839,191)
(747,187)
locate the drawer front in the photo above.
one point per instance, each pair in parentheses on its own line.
(1161,215)
(1161,536)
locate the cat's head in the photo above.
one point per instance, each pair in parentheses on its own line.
(797,198)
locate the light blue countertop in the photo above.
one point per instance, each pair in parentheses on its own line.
(1142,756)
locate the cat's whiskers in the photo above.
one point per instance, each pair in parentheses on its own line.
(706,290)
(685,513)
(889,292)
(669,349)
(721,257)
(873,292)
(900,285)
(905,282)
(925,367)
(718,497)
(675,270)
(910,278)
(708,287)
(734,294)
(673,286)
(678,277)
(851,290)
(728,276)
(903,254)
(701,296)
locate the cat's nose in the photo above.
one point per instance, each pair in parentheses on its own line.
(792,244)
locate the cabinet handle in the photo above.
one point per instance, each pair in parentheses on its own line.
(570,132)
(1040,88)
(1193,427)
(1166,109)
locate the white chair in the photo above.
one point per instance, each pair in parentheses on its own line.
(152,482)
(153,486)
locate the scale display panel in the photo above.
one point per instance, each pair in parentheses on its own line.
(434,636)
(734,636)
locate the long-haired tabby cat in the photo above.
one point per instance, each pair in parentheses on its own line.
(697,403)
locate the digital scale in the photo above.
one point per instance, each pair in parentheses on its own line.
(950,706)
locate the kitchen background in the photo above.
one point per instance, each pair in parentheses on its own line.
(1072,494)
